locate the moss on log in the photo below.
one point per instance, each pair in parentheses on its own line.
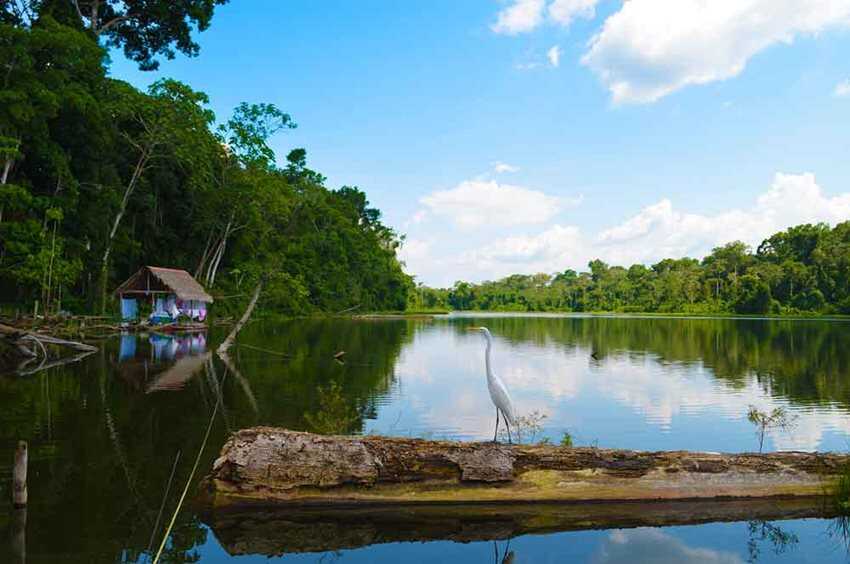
(276,466)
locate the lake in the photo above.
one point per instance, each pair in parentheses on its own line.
(108,435)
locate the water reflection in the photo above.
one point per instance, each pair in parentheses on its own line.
(713,543)
(161,362)
(651,383)
(102,448)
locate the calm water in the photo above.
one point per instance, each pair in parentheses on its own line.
(104,434)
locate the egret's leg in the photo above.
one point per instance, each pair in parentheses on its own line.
(508,426)
(496,432)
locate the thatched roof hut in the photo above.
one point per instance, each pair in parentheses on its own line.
(151,280)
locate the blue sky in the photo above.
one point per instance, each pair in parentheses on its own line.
(534,135)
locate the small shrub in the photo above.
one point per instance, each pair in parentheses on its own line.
(567,440)
(526,427)
(779,418)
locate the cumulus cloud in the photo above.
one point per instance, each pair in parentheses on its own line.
(548,251)
(519,17)
(474,203)
(554,56)
(418,217)
(651,48)
(658,231)
(500,167)
(565,11)
(842,89)
(523,16)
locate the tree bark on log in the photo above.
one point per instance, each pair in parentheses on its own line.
(269,465)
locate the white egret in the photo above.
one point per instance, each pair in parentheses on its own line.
(498,391)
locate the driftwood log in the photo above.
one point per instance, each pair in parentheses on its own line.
(274,491)
(270,465)
(30,350)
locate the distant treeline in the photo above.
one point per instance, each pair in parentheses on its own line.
(805,269)
(98,178)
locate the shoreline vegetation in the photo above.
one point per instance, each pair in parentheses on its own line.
(98,178)
(802,271)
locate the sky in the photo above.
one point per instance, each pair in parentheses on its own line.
(525,136)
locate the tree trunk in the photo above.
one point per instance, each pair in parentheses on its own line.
(128,191)
(205,256)
(213,269)
(272,465)
(7,166)
(228,342)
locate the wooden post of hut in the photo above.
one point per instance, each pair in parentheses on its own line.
(175,293)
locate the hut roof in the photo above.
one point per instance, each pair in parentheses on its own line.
(156,280)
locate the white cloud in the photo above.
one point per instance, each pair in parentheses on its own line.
(519,17)
(523,16)
(500,167)
(660,231)
(474,203)
(657,231)
(548,251)
(565,11)
(842,89)
(418,217)
(651,48)
(554,56)
(415,250)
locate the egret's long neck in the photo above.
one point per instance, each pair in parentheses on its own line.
(487,356)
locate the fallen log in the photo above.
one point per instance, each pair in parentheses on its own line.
(274,466)
(14,335)
(14,349)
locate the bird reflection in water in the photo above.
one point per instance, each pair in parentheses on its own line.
(507,557)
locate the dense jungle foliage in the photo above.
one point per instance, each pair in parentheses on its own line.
(805,269)
(98,178)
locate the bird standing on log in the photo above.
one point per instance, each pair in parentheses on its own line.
(498,391)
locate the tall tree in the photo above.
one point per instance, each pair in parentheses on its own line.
(145,29)
(168,122)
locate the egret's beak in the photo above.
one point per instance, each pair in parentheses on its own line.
(473,328)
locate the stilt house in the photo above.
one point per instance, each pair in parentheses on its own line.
(173,294)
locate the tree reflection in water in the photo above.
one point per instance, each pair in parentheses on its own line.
(102,449)
(761,532)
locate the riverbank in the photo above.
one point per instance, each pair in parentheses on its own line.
(650,315)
